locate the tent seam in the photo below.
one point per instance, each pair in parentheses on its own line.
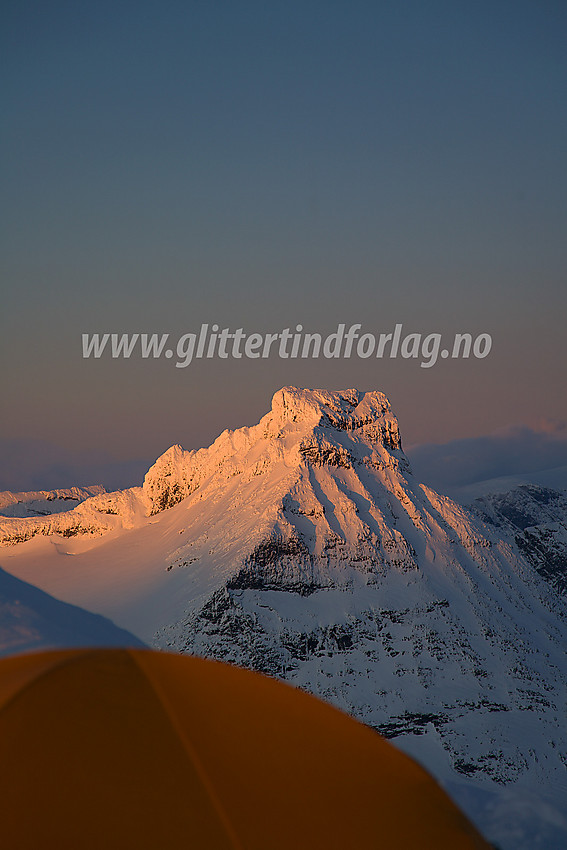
(63,662)
(189,750)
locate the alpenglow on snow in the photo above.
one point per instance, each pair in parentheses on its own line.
(304,547)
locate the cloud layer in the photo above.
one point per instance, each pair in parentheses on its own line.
(517,450)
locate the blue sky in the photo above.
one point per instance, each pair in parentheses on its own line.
(261,165)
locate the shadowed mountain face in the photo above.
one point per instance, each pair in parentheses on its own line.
(303,547)
(31,620)
(351,579)
(535,520)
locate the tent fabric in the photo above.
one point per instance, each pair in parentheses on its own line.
(124,748)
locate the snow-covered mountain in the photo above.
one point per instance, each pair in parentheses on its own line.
(31,620)
(304,547)
(535,520)
(44,502)
(92,515)
(554,478)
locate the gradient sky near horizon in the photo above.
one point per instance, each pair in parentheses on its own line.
(260,165)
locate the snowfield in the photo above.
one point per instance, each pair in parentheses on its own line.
(31,620)
(304,547)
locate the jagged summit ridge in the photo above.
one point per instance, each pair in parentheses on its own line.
(342,428)
(304,547)
(304,428)
(344,410)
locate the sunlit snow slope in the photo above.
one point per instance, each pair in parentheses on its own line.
(304,547)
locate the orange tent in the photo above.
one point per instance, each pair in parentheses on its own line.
(118,748)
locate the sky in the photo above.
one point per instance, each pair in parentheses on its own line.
(262,165)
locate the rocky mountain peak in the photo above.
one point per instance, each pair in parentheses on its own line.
(302,547)
(366,415)
(341,428)
(342,409)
